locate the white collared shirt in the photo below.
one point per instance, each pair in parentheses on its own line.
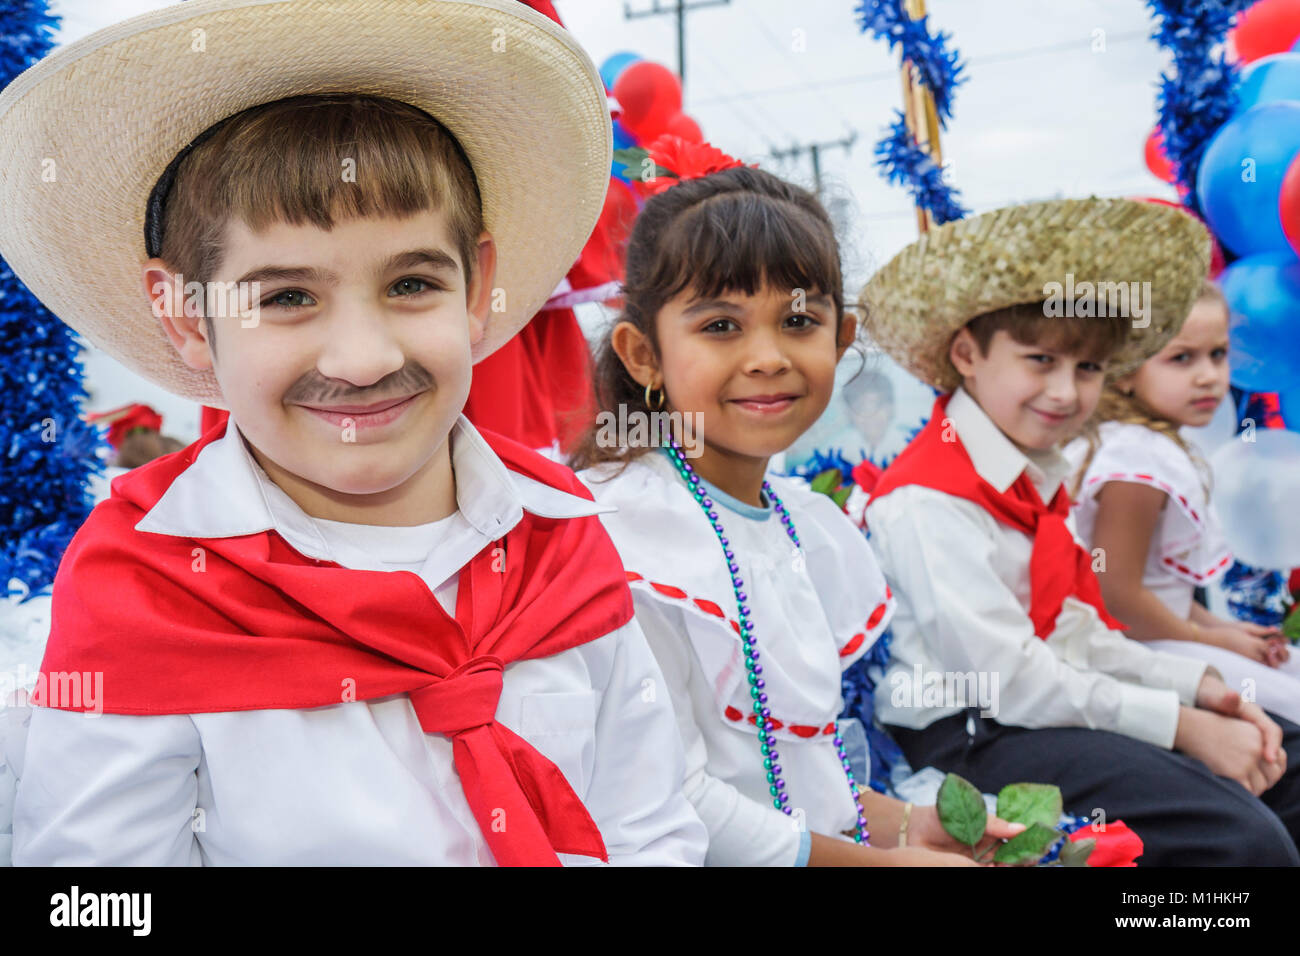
(962,582)
(814,611)
(357,783)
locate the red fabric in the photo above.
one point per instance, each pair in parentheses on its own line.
(122,420)
(1058,566)
(545,8)
(537,387)
(180,625)
(210,418)
(865,475)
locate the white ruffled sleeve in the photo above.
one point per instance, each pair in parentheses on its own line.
(1188,542)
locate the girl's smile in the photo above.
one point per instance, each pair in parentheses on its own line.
(766,405)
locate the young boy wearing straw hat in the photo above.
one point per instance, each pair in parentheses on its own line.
(1016,318)
(345,627)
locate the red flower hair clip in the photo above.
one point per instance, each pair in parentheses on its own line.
(670,160)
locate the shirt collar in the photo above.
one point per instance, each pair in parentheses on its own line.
(226,493)
(996,458)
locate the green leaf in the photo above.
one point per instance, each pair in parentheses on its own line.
(826,481)
(1291,627)
(1076,852)
(1030,803)
(1028,846)
(634,157)
(961,810)
(841,496)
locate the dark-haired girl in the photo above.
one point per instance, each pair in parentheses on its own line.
(753,591)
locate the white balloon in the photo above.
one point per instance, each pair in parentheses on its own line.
(1256,484)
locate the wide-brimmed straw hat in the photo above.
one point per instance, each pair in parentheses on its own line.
(1011,256)
(108,113)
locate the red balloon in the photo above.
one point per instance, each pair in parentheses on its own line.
(1270,26)
(1217,262)
(649,94)
(1288,204)
(679,124)
(1157,161)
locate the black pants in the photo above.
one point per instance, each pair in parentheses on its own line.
(1184,813)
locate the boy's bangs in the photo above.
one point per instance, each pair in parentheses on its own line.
(1095,339)
(319,160)
(737,242)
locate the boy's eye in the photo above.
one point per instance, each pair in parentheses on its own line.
(1219,355)
(1090,367)
(804,321)
(1180,357)
(277,300)
(1040,358)
(412,280)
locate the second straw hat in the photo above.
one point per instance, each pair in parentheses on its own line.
(918,301)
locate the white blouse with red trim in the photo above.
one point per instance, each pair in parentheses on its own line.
(815,612)
(1188,548)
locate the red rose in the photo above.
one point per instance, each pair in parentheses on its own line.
(688,160)
(1117,845)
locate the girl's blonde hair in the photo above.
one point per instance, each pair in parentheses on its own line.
(1127,409)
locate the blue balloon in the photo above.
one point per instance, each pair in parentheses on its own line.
(614,65)
(1263,293)
(1290,402)
(1269,80)
(1241,176)
(622,138)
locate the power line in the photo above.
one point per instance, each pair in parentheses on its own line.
(680,9)
(892,74)
(776,43)
(814,150)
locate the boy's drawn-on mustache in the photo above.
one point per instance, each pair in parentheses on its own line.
(313,389)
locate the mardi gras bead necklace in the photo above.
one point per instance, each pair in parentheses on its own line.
(762,713)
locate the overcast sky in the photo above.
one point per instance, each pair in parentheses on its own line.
(1058,100)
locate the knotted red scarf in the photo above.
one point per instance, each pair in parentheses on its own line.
(1058,566)
(184,625)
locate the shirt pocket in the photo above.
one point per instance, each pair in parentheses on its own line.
(563,728)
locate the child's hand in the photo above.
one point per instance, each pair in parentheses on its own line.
(1263,644)
(928,832)
(1213,694)
(1232,747)
(920,856)
(1279,646)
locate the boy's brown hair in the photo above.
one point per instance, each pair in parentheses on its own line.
(1095,337)
(287,161)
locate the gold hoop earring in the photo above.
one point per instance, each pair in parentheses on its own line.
(663,399)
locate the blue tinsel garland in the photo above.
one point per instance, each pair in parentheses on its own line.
(898,158)
(47,453)
(1200,94)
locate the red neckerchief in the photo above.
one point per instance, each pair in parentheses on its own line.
(1058,566)
(200,625)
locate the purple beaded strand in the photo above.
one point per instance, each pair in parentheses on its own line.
(763,714)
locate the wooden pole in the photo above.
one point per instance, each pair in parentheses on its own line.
(920,114)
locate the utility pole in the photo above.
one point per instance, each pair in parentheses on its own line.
(680,9)
(814,150)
